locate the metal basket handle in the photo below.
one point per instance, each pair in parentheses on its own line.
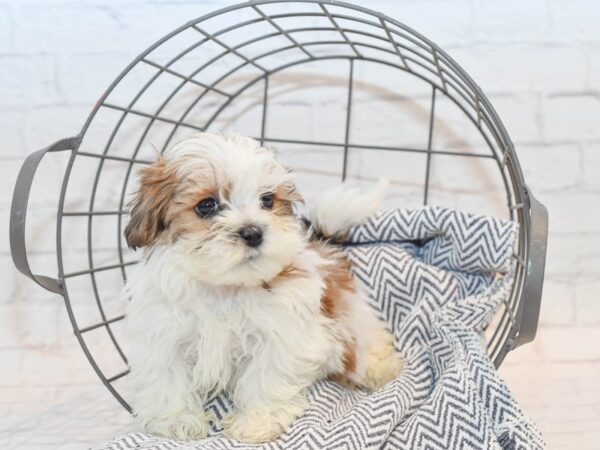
(18,213)
(534,279)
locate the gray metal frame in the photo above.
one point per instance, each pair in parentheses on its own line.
(415,55)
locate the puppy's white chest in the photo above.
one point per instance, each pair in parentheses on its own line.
(228,324)
(243,323)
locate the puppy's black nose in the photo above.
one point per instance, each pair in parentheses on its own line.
(252,235)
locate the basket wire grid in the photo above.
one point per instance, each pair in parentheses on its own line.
(216,60)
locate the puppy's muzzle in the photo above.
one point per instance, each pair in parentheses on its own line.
(252,236)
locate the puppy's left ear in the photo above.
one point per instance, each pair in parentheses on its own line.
(150,205)
(286,196)
(291,193)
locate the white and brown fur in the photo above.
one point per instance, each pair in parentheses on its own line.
(210,314)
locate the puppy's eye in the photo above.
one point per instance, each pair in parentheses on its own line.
(207,207)
(266,200)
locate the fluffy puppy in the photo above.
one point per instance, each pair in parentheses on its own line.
(232,295)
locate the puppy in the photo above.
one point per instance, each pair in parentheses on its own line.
(233,295)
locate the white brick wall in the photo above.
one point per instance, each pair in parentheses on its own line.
(538,61)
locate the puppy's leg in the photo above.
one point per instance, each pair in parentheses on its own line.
(370,359)
(271,392)
(166,404)
(382,363)
(265,420)
(377,360)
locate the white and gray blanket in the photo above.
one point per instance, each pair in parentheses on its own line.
(437,276)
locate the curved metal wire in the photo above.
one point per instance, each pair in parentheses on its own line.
(398,47)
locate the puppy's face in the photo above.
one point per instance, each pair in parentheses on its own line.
(224,206)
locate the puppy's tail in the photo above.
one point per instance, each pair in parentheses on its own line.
(333,213)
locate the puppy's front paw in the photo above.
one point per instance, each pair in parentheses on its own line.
(384,365)
(254,428)
(258,427)
(184,427)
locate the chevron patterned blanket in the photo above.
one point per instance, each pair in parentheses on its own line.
(437,276)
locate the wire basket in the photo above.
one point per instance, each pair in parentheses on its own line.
(342,92)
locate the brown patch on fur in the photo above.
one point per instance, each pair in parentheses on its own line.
(283,199)
(163,208)
(196,195)
(181,216)
(150,205)
(349,360)
(282,207)
(337,278)
(289,272)
(339,378)
(338,284)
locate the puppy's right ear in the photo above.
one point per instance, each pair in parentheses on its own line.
(150,204)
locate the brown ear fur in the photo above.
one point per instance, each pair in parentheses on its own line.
(150,205)
(285,196)
(293,195)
